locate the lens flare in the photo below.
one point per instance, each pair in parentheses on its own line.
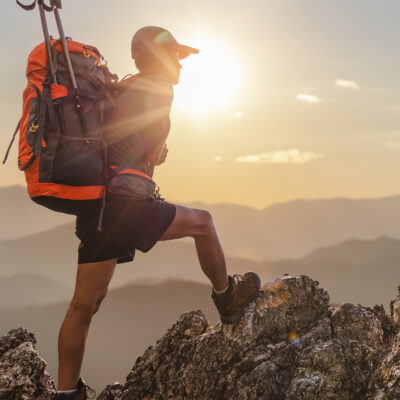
(295,340)
(210,81)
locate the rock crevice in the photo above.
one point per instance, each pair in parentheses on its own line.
(290,344)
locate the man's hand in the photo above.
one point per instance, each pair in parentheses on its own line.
(163,155)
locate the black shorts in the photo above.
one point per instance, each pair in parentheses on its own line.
(127,225)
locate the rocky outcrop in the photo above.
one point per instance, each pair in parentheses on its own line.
(23,373)
(289,345)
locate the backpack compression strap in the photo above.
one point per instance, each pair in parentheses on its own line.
(12,142)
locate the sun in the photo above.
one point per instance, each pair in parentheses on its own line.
(210,81)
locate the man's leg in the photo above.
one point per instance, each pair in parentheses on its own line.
(198,224)
(91,287)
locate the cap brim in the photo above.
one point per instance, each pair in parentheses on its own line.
(185,51)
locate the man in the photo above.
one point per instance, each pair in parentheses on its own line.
(135,217)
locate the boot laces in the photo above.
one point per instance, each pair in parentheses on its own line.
(91,393)
(238,280)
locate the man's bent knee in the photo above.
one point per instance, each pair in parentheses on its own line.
(203,223)
(189,222)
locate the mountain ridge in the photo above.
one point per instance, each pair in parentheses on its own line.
(287,229)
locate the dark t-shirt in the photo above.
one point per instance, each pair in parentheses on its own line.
(139,124)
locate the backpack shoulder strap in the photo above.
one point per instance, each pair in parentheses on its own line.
(125,83)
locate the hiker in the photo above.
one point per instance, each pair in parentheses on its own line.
(135,216)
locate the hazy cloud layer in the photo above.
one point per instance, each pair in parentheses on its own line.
(309,98)
(291,156)
(347,84)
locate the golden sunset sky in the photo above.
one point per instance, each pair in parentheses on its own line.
(287,98)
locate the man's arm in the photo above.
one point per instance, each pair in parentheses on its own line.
(157,108)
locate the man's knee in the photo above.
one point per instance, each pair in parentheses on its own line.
(86,308)
(203,223)
(98,302)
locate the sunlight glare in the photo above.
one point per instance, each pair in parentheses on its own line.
(210,80)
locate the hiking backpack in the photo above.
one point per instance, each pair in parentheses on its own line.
(61,145)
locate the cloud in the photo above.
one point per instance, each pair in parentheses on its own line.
(222,158)
(291,156)
(347,84)
(309,98)
(393,140)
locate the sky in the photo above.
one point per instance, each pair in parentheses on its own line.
(287,99)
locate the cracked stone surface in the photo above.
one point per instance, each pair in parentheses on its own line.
(23,374)
(290,344)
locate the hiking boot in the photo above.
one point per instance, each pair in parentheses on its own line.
(83,393)
(241,290)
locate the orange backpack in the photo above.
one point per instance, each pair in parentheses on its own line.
(61,146)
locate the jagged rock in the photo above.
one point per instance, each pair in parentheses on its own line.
(395,310)
(289,345)
(111,392)
(23,374)
(357,323)
(390,371)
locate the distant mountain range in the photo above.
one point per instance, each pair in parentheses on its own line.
(356,270)
(53,254)
(291,229)
(21,290)
(350,246)
(130,319)
(20,216)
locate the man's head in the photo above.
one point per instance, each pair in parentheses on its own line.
(155,50)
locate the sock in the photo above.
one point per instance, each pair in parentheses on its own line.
(219,292)
(67,391)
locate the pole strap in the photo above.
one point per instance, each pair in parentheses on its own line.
(48,8)
(27,7)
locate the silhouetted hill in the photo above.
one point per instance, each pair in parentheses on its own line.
(353,271)
(291,229)
(20,216)
(130,319)
(21,290)
(54,255)
(295,228)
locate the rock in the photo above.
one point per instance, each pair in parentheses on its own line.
(395,311)
(357,323)
(23,374)
(289,345)
(111,392)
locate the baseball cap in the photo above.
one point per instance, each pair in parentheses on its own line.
(150,38)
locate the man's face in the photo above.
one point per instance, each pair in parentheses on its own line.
(172,65)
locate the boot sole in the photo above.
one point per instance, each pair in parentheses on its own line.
(238,314)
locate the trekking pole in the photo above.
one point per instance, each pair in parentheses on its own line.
(47,40)
(55,5)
